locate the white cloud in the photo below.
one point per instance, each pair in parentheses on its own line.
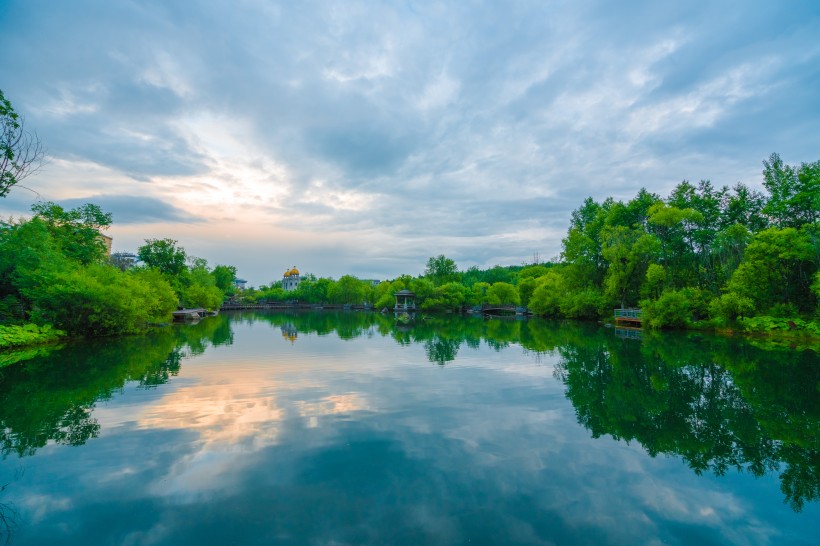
(332,117)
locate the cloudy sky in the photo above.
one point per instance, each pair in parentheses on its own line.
(364,137)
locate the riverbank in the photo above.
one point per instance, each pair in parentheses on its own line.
(27,335)
(791,332)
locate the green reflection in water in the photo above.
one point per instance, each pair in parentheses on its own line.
(51,397)
(717,403)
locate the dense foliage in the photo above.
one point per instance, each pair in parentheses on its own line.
(701,257)
(12,335)
(700,254)
(54,270)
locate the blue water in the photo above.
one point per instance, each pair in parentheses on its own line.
(353,429)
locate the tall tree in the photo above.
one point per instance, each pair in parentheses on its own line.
(21,152)
(441,270)
(163,254)
(794,193)
(77,231)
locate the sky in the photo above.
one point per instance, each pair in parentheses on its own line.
(362,138)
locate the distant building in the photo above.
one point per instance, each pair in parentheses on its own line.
(107,242)
(291,279)
(372,282)
(123,260)
(239,284)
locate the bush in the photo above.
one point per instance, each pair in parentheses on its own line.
(546,297)
(768,324)
(674,308)
(29,334)
(589,303)
(730,306)
(101,300)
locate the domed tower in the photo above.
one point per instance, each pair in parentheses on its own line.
(291,279)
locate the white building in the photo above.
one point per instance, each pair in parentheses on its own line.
(291,279)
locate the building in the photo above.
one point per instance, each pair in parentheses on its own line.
(240,284)
(107,242)
(291,279)
(123,260)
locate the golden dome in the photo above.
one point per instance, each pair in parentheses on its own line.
(291,272)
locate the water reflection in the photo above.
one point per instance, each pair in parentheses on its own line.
(52,397)
(331,418)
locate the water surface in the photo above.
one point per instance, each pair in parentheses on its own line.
(350,428)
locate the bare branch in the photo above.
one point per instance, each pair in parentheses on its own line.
(21,152)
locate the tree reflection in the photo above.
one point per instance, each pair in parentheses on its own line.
(714,402)
(50,397)
(718,403)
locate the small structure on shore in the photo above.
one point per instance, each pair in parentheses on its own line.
(181,315)
(629,317)
(405,301)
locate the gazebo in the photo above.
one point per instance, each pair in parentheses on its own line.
(405,301)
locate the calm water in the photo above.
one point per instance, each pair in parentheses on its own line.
(331,429)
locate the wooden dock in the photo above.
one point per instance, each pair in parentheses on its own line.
(629,317)
(189,314)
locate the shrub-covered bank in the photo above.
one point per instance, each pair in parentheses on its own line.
(12,336)
(55,273)
(700,258)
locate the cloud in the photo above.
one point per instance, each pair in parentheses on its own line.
(134,209)
(336,117)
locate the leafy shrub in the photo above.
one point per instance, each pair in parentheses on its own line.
(102,300)
(768,324)
(730,306)
(783,310)
(585,304)
(502,293)
(29,334)
(546,297)
(674,308)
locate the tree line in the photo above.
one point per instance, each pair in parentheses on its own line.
(703,257)
(55,270)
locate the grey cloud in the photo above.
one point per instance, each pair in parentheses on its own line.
(134,209)
(545,98)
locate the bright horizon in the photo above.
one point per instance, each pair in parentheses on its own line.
(364,137)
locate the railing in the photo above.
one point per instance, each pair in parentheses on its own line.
(628,314)
(628,333)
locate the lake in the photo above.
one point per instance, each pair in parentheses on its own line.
(342,428)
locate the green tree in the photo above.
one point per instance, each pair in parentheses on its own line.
(200,290)
(777,268)
(76,231)
(21,152)
(224,276)
(348,290)
(164,255)
(676,229)
(502,293)
(546,298)
(526,286)
(628,253)
(744,207)
(441,270)
(794,193)
(582,247)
